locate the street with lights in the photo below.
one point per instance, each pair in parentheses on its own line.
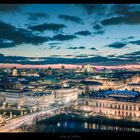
(17,122)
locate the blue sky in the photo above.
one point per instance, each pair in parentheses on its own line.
(70,30)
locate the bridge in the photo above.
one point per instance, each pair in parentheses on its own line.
(18,122)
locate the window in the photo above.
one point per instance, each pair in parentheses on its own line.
(126,107)
(134,108)
(96,104)
(122,106)
(134,115)
(119,113)
(118,106)
(103,104)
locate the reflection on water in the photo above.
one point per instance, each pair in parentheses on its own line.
(72,126)
(78,126)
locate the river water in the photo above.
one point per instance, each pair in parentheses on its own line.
(67,123)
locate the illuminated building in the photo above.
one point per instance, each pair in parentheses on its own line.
(136,78)
(14,71)
(133,86)
(113,104)
(39,99)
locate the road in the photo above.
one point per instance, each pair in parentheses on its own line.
(17,122)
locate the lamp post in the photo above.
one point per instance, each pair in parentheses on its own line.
(62,91)
(4,103)
(21,111)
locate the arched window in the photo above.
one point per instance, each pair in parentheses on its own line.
(122,106)
(118,112)
(134,115)
(103,104)
(118,106)
(134,108)
(96,103)
(126,107)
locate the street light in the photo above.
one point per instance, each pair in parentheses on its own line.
(4,103)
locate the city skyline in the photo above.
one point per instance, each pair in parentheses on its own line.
(99,34)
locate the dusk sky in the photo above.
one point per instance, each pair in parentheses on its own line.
(70,33)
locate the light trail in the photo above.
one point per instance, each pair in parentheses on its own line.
(17,122)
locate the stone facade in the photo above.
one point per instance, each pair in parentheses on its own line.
(112,108)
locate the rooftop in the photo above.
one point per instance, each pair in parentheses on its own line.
(90,83)
(121,93)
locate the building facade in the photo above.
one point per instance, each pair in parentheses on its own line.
(111,107)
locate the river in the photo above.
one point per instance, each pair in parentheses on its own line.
(67,123)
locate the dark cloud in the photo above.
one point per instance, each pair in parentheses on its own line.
(55,55)
(119,9)
(97,27)
(123,9)
(92,48)
(93,8)
(127,38)
(72,48)
(122,14)
(131,18)
(48,26)
(99,32)
(7,8)
(52,47)
(6,43)
(71,18)
(112,55)
(96,60)
(61,37)
(114,21)
(54,43)
(80,56)
(137,42)
(36,16)
(131,37)
(16,36)
(68,55)
(133,56)
(116,45)
(81,47)
(135,53)
(83,33)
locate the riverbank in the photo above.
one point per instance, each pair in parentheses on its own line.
(75,123)
(93,119)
